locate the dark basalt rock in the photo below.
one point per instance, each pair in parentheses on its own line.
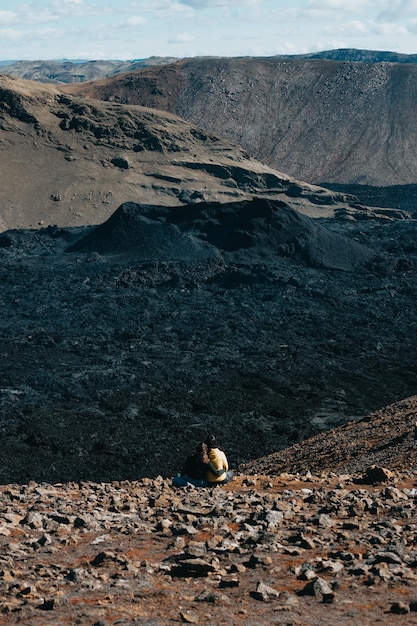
(127,232)
(253,229)
(165,321)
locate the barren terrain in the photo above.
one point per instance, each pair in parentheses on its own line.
(221,294)
(296,549)
(123,343)
(70,162)
(318,120)
(158,283)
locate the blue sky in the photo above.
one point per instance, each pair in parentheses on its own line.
(126,29)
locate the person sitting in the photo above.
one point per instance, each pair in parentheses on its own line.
(195,469)
(217,469)
(207,467)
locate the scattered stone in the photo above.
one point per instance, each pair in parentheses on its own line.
(212,597)
(399,608)
(229,581)
(121,161)
(231,542)
(192,568)
(320,588)
(189,617)
(264,593)
(47,605)
(376,474)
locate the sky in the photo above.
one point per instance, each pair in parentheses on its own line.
(127,30)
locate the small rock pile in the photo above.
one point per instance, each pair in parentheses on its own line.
(289,550)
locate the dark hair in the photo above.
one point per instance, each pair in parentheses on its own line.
(211,441)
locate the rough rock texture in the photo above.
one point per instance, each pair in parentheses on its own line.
(384,438)
(128,233)
(268,328)
(252,228)
(70,162)
(291,550)
(318,120)
(80,71)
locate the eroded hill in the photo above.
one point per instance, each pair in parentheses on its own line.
(316,119)
(70,161)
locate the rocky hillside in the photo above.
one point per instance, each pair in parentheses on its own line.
(123,343)
(72,162)
(219,294)
(72,71)
(318,120)
(384,438)
(362,56)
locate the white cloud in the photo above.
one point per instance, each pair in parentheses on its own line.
(203,4)
(389,28)
(133,22)
(351,28)
(182,38)
(7,17)
(79,8)
(67,6)
(161,8)
(355,26)
(11,34)
(397,10)
(89,28)
(336,7)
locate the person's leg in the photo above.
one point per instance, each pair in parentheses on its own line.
(226,479)
(180,481)
(184,480)
(197,482)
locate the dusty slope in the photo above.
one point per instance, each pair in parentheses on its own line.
(318,120)
(384,438)
(70,162)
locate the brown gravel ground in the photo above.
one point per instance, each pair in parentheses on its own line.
(100,554)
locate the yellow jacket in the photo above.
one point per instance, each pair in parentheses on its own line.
(219,461)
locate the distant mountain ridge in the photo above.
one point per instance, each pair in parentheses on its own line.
(80,70)
(73,71)
(362,56)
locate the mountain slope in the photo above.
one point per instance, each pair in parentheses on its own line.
(70,70)
(319,120)
(384,438)
(362,56)
(70,162)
